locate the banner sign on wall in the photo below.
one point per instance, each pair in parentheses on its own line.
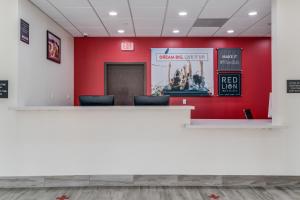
(229,84)
(24,31)
(3,89)
(293,86)
(230,59)
(182,71)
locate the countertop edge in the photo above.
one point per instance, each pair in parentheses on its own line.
(97,108)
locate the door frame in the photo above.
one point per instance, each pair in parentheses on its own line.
(106,65)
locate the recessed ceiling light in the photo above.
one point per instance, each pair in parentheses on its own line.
(113,13)
(252,13)
(85,35)
(176,31)
(182,13)
(230,31)
(121,31)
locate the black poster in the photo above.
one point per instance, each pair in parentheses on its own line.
(293,86)
(24,31)
(230,59)
(230,84)
(3,89)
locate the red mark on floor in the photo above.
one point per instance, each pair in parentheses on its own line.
(214,197)
(63,197)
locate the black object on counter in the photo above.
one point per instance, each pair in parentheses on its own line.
(151,100)
(96,100)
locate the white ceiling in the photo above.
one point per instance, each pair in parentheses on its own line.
(158,17)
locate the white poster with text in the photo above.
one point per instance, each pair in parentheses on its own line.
(182,71)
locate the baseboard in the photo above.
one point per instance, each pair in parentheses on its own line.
(149,180)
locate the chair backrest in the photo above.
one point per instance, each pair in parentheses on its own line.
(96,100)
(151,100)
(248,114)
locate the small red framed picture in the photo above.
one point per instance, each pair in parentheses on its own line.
(53,47)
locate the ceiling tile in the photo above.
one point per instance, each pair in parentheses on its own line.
(182,23)
(93,30)
(257,31)
(148,3)
(47,8)
(148,23)
(240,22)
(70,3)
(73,31)
(114,23)
(236,24)
(148,16)
(203,31)
(183,26)
(128,32)
(192,7)
(153,26)
(81,16)
(78,12)
(221,8)
(262,7)
(54,14)
(263,27)
(149,32)
(148,12)
(168,31)
(103,8)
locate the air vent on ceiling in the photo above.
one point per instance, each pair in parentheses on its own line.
(210,22)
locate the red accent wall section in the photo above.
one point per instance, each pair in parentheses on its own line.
(92,53)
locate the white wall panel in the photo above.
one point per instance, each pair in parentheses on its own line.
(40,80)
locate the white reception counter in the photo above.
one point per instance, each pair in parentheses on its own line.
(122,140)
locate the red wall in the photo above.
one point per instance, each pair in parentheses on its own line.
(91,53)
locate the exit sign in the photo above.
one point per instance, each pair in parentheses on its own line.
(127,46)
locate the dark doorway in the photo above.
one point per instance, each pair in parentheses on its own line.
(124,81)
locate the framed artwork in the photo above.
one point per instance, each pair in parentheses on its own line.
(182,72)
(53,47)
(24,31)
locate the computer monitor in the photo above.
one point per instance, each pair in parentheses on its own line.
(151,100)
(96,100)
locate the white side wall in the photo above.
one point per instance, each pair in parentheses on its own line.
(8,71)
(41,81)
(46,143)
(286,65)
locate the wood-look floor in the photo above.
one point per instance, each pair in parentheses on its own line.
(152,193)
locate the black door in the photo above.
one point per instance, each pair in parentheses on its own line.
(125,81)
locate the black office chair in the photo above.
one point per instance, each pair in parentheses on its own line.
(151,100)
(96,100)
(248,114)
